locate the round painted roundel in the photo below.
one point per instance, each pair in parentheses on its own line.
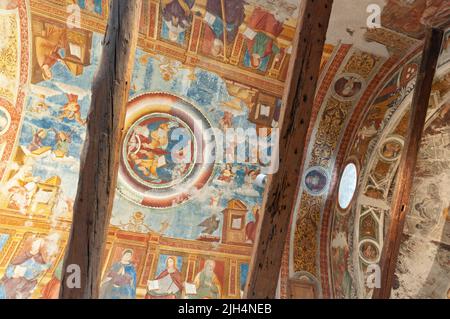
(166,154)
(316,180)
(148,150)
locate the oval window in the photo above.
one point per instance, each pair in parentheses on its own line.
(347,185)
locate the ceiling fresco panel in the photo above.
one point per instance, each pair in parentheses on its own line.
(195,220)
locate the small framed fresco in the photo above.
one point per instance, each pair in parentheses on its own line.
(266,112)
(208,282)
(34,256)
(168,281)
(92,8)
(176,21)
(55,43)
(121,274)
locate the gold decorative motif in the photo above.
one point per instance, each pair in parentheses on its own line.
(361,63)
(329,131)
(9,70)
(395,42)
(306,243)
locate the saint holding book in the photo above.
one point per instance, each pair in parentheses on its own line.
(168,284)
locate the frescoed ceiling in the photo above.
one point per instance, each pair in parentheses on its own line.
(375,67)
(197,39)
(196,220)
(191,218)
(427,231)
(13,76)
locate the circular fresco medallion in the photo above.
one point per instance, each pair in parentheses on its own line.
(369,252)
(348,86)
(5,120)
(159,150)
(166,155)
(315,180)
(391,149)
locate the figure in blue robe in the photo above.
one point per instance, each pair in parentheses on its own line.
(120,281)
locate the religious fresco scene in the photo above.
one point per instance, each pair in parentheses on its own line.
(182,226)
(164,241)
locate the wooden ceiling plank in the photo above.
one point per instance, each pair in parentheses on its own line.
(100,157)
(401,197)
(280,196)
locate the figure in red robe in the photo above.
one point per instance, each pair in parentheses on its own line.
(262,32)
(51,289)
(168,284)
(71,110)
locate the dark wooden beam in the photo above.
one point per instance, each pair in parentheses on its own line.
(100,156)
(401,198)
(281,192)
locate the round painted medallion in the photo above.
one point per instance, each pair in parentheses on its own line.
(159,150)
(369,251)
(315,180)
(348,86)
(166,154)
(391,149)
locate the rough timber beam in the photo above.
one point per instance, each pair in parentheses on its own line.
(100,157)
(280,194)
(401,197)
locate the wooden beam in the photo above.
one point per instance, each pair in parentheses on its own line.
(280,196)
(100,156)
(401,198)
